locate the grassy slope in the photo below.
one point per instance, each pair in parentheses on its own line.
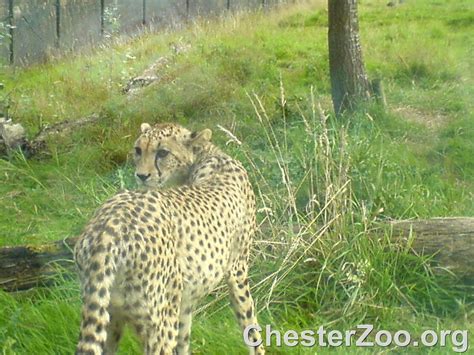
(414,161)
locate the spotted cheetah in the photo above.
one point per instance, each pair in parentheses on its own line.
(147,257)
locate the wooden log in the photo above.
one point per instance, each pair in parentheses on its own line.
(13,135)
(25,267)
(449,240)
(157,71)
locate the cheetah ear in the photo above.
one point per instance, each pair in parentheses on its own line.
(204,136)
(145,127)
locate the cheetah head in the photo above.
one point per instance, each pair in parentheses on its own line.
(165,153)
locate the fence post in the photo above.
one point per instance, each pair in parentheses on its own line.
(102,17)
(11,32)
(58,23)
(187,9)
(144,12)
(228,5)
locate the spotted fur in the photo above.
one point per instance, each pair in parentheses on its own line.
(147,257)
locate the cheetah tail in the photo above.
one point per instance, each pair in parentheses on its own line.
(99,277)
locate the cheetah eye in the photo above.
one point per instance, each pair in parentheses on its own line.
(162,153)
(138,151)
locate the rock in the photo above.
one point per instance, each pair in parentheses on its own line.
(13,135)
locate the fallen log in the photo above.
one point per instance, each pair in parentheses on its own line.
(156,72)
(25,267)
(449,240)
(13,135)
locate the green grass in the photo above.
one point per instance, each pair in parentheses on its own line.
(261,76)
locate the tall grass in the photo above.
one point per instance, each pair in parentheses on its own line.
(322,255)
(324,185)
(331,233)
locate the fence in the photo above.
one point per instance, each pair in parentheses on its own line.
(32,29)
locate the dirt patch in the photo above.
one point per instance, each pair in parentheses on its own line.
(431,120)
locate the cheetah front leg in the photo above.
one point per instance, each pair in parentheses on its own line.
(242,302)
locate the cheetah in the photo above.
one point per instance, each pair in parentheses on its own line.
(148,256)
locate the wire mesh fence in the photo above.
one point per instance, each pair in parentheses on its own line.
(31,30)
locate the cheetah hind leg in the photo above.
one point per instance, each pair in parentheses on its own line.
(185,321)
(158,333)
(114,332)
(242,303)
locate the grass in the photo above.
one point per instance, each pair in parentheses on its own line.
(322,184)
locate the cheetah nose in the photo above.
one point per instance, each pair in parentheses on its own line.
(143,177)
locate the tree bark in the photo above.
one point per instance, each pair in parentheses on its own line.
(349,82)
(450,240)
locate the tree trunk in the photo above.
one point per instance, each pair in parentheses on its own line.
(349,83)
(451,240)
